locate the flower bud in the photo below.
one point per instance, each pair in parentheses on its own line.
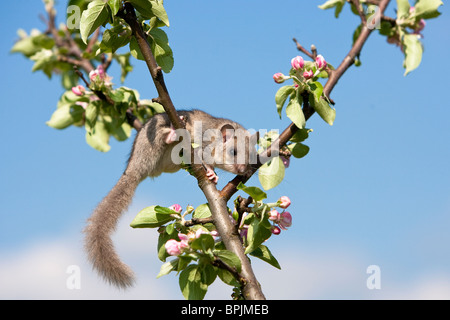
(183,236)
(285,220)
(320,62)
(78,90)
(176,207)
(94,75)
(420,26)
(274,215)
(189,209)
(285,202)
(275,230)
(172,247)
(279,77)
(308,74)
(297,63)
(285,161)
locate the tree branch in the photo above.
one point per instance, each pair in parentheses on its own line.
(251,288)
(231,188)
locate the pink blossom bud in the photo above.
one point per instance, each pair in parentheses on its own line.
(82,104)
(94,75)
(308,74)
(275,230)
(320,62)
(101,72)
(183,236)
(285,202)
(297,63)
(412,9)
(274,215)
(286,161)
(183,244)
(176,207)
(215,234)
(279,77)
(420,26)
(199,232)
(172,247)
(79,90)
(285,220)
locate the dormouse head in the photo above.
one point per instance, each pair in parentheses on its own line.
(232,150)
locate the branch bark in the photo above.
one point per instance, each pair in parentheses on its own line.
(218,206)
(231,188)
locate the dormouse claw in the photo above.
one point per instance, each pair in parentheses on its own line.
(212,175)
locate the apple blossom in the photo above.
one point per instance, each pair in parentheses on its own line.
(78,90)
(176,207)
(279,77)
(285,220)
(297,63)
(172,247)
(308,74)
(285,202)
(320,62)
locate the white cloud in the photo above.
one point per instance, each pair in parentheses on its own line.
(39,272)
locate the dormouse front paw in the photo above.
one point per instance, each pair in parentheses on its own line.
(171,136)
(212,175)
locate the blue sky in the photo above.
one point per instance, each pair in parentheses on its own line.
(374,189)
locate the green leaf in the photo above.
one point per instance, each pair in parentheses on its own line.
(202,211)
(301,135)
(97,14)
(227,277)
(271,173)
(337,4)
(209,274)
(61,118)
(152,217)
(402,8)
(256,193)
(280,97)
(316,88)
(144,7)
(161,49)
(229,258)
(204,243)
(114,5)
(115,38)
(258,232)
(263,253)
(322,107)
(92,112)
(168,267)
(98,137)
(427,9)
(298,150)
(44,60)
(159,11)
(118,128)
(294,111)
(191,284)
(413,52)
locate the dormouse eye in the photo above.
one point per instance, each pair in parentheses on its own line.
(232,152)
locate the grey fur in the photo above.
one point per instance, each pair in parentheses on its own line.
(150,157)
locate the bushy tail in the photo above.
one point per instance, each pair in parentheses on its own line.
(101,225)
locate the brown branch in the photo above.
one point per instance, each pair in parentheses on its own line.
(195,221)
(129,15)
(302,49)
(251,289)
(231,188)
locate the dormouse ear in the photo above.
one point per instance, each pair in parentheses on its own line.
(227,132)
